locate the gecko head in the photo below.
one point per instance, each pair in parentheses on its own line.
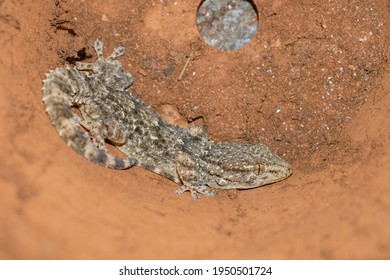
(243,166)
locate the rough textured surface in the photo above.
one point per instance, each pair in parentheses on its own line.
(55,204)
(183,155)
(68,87)
(227,24)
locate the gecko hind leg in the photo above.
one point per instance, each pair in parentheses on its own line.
(98,47)
(116,53)
(82,66)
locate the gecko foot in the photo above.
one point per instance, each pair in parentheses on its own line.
(195,190)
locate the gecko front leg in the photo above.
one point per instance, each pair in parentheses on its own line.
(187,172)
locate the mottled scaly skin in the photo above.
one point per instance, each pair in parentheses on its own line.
(62,89)
(183,155)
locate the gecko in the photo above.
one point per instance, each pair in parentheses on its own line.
(111,113)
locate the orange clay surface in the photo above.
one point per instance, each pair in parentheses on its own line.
(313,85)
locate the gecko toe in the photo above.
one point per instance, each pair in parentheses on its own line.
(195,190)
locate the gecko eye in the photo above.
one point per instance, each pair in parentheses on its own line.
(259,169)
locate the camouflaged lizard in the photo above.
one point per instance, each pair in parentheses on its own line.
(111,113)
